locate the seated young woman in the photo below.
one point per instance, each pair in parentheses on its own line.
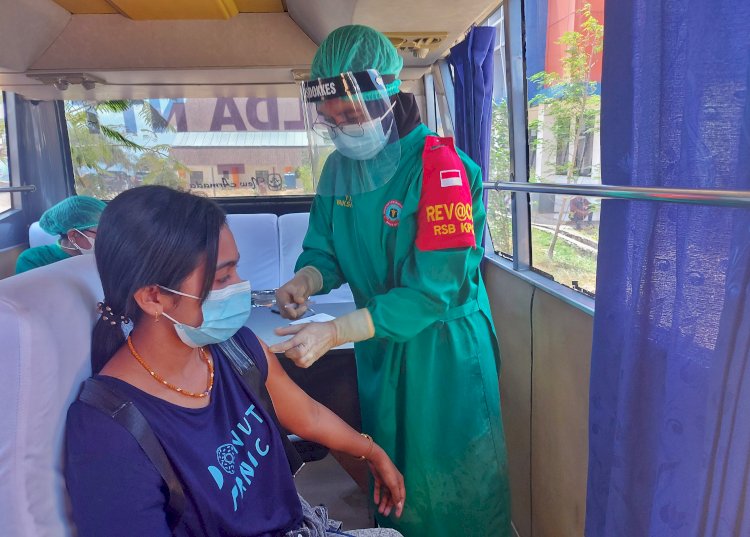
(168,267)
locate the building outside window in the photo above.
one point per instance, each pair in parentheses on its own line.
(203,145)
(564,43)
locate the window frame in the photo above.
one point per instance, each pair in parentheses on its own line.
(11,142)
(520,159)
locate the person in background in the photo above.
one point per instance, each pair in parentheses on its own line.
(580,210)
(398,214)
(168,266)
(75,221)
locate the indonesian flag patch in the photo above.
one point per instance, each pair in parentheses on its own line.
(445,209)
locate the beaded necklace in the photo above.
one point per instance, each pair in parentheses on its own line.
(182,391)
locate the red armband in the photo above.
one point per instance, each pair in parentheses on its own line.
(446,218)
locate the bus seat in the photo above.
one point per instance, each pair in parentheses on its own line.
(46,318)
(257,240)
(292,230)
(39,237)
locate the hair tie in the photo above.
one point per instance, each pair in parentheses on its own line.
(109,316)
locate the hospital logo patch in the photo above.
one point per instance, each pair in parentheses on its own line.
(392,213)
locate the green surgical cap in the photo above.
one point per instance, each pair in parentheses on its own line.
(357,48)
(77,212)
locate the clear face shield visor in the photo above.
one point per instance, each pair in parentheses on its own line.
(354,142)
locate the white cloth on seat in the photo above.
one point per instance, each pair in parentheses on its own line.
(257,239)
(39,237)
(46,318)
(292,230)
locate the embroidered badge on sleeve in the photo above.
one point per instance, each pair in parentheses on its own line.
(445,207)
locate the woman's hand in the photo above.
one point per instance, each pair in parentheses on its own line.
(389,483)
(308,419)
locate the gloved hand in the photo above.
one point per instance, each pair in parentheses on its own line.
(313,340)
(291,298)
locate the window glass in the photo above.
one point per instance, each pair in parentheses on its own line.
(564,42)
(221,147)
(573,246)
(499,202)
(6,201)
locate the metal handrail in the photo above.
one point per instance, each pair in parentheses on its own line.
(30,188)
(726,198)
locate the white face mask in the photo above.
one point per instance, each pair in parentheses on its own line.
(84,251)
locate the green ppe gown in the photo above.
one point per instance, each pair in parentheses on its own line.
(428,380)
(40,256)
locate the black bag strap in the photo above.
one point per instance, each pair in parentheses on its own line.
(241,359)
(108,400)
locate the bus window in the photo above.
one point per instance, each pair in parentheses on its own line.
(223,147)
(6,202)
(563,66)
(499,219)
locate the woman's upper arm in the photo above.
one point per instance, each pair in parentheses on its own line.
(114,488)
(295,409)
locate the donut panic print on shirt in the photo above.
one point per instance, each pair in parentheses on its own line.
(446,218)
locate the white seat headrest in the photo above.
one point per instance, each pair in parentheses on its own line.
(257,239)
(46,318)
(292,231)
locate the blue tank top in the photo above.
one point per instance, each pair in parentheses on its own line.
(228,456)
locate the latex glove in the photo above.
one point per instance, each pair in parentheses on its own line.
(313,340)
(291,298)
(389,491)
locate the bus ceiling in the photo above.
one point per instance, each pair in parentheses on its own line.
(134,49)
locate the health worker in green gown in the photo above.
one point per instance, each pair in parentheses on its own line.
(394,216)
(74,221)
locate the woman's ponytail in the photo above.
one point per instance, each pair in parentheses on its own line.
(105,341)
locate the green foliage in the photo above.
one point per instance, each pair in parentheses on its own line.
(570,99)
(158,170)
(500,143)
(499,221)
(304,174)
(570,263)
(107,161)
(498,203)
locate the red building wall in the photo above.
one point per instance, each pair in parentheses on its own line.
(564,16)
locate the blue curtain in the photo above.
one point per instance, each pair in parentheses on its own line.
(473,77)
(669,437)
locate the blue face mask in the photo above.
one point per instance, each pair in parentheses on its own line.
(372,140)
(225,311)
(362,147)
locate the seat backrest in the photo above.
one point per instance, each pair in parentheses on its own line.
(257,240)
(39,237)
(46,318)
(292,231)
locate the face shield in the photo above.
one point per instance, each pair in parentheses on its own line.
(352,133)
